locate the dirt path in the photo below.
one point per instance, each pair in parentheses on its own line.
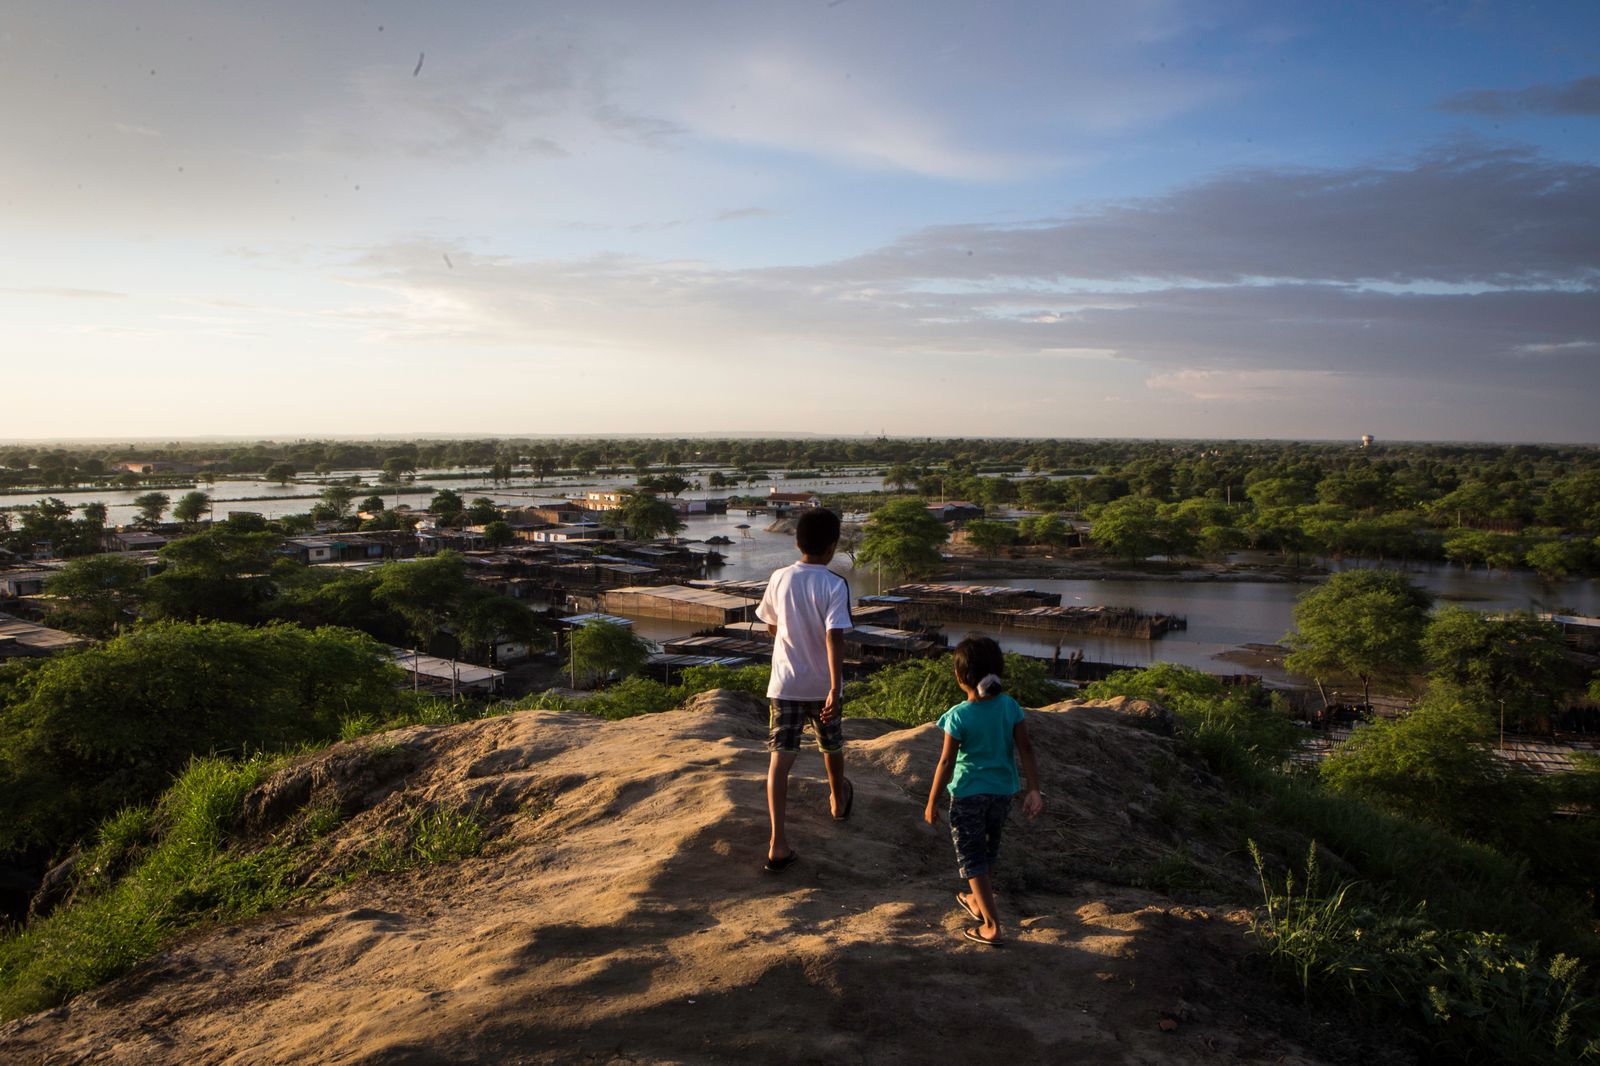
(622,916)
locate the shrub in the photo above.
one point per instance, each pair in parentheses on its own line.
(1470,996)
(921,690)
(86,734)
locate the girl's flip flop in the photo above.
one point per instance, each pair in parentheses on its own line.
(849,802)
(974,915)
(976,937)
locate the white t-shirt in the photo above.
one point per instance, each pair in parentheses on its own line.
(804,601)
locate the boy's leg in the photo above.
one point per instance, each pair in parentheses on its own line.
(830,739)
(833,761)
(778,801)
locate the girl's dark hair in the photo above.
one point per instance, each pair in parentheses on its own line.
(978,657)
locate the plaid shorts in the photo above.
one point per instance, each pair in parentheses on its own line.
(976,823)
(787,720)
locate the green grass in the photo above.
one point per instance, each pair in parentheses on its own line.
(182,875)
(155,872)
(1467,996)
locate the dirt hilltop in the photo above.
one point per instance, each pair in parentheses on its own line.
(620,914)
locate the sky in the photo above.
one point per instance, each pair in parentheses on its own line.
(1154,218)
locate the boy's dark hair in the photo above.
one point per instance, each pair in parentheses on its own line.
(817,531)
(978,657)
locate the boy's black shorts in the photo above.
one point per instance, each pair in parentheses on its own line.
(787,721)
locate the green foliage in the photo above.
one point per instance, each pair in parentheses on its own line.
(95,595)
(1366,624)
(180,873)
(645,517)
(83,735)
(220,573)
(1237,730)
(445,834)
(921,690)
(989,537)
(1435,764)
(902,538)
(1515,658)
(752,679)
(152,505)
(601,649)
(1469,996)
(191,507)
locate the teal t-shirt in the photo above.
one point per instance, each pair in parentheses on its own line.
(985,763)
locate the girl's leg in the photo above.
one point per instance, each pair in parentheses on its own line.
(982,897)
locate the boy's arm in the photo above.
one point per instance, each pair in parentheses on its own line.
(1033,802)
(941,778)
(830,708)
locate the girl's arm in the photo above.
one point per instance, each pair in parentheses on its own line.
(1033,802)
(941,778)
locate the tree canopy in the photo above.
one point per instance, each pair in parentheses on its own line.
(1365,624)
(83,735)
(903,539)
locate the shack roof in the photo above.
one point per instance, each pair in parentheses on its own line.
(593,617)
(20,637)
(444,669)
(685,594)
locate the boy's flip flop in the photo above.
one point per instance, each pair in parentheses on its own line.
(974,915)
(849,802)
(973,935)
(777,866)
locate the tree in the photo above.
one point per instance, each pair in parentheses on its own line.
(487,618)
(671,484)
(601,649)
(498,534)
(1049,529)
(423,592)
(282,473)
(1434,764)
(1514,662)
(337,499)
(482,512)
(645,517)
(94,514)
(83,735)
(95,595)
(902,538)
(899,476)
(372,505)
(447,505)
(989,537)
(1366,624)
(1130,527)
(219,573)
(152,505)
(190,507)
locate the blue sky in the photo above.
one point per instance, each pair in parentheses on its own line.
(1052,219)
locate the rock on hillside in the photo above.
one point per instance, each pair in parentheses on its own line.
(620,913)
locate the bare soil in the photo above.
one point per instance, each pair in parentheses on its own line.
(621,915)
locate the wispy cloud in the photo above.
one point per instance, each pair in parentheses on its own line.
(1580,96)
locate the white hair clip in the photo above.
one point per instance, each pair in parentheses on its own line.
(989,685)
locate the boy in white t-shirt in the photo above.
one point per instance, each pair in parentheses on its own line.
(807,611)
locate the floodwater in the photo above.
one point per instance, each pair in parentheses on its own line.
(1222,615)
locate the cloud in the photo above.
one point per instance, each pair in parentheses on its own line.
(1468,216)
(1581,96)
(740,213)
(65,293)
(1256,284)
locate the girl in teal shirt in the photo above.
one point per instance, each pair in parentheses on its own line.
(982,738)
